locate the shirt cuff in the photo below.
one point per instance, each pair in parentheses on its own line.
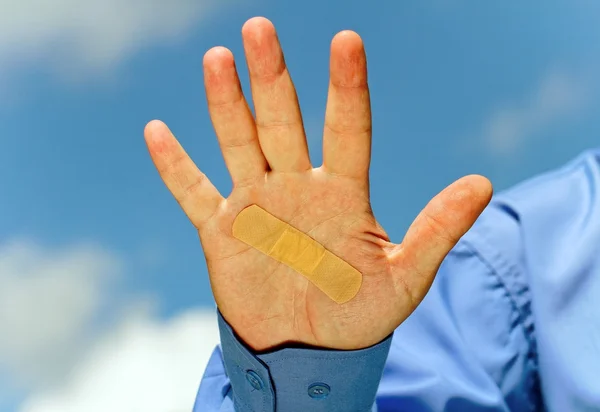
(300,379)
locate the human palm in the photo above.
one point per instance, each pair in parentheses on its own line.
(266,302)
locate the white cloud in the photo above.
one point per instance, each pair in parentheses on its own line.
(69,343)
(557,98)
(49,301)
(82,36)
(144,365)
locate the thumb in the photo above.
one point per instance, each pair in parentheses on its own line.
(435,231)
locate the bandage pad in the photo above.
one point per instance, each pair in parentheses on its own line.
(335,277)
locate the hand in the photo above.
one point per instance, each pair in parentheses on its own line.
(267,303)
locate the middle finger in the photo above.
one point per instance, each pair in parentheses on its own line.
(278,118)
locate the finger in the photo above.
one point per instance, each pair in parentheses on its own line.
(197,196)
(278,118)
(437,229)
(231,117)
(347,133)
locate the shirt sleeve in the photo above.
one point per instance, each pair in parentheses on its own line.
(290,379)
(559,221)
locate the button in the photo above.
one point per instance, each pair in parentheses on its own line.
(254,379)
(318,390)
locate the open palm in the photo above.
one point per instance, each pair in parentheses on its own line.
(266,302)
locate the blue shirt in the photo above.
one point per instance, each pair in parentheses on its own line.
(511,323)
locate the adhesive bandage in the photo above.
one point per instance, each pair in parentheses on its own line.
(335,277)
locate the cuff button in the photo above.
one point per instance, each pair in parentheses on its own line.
(319,390)
(254,380)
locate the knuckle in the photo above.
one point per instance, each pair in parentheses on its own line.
(439,229)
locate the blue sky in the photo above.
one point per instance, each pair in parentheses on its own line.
(504,89)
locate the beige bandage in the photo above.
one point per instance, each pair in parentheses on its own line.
(286,244)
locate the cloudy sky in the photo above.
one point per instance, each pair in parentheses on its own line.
(104,298)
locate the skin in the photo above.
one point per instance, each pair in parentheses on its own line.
(267,303)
